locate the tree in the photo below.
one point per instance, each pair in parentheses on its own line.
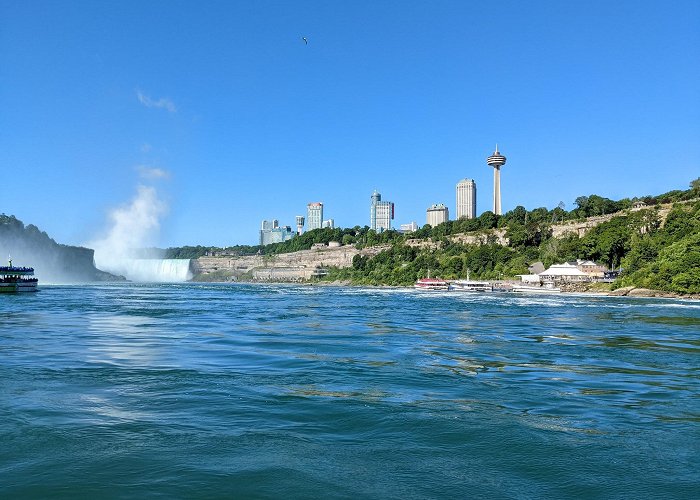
(695,187)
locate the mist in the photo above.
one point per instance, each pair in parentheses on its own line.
(131,227)
(52,262)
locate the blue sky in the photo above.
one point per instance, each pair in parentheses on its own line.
(223,109)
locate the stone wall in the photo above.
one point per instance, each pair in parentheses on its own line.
(295,266)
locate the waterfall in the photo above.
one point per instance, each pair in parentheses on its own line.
(156,270)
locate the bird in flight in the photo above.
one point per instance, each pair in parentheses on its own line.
(306,42)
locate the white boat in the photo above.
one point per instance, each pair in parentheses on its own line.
(536,289)
(431,284)
(471,286)
(468,285)
(16,279)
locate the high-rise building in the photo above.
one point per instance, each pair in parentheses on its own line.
(496,160)
(300,224)
(271,232)
(380,213)
(437,214)
(466,199)
(314,216)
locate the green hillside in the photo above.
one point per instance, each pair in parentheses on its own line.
(656,248)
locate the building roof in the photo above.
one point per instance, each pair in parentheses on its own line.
(536,267)
(586,263)
(563,270)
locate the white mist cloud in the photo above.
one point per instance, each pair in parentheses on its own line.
(163,102)
(146,172)
(134,225)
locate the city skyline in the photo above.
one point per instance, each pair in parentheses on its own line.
(194,114)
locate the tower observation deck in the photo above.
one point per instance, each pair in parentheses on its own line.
(496,160)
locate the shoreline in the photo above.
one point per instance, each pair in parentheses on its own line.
(631,292)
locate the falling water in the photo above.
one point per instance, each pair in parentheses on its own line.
(157,270)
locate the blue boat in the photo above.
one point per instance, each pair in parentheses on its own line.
(17,279)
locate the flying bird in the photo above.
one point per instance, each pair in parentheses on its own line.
(306,42)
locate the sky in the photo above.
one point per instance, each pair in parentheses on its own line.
(222,112)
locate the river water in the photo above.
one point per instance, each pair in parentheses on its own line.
(297,391)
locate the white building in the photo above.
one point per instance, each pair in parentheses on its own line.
(409,228)
(380,213)
(466,199)
(563,272)
(314,216)
(329,223)
(437,214)
(300,223)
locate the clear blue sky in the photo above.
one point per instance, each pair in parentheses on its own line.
(407,97)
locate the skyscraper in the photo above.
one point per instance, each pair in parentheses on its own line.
(496,160)
(300,224)
(437,214)
(314,215)
(466,199)
(272,232)
(380,213)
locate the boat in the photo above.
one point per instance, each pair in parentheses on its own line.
(548,288)
(17,279)
(471,286)
(431,284)
(468,285)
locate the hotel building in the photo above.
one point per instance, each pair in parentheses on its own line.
(380,213)
(466,199)
(314,216)
(437,214)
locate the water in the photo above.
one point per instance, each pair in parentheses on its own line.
(152,270)
(292,391)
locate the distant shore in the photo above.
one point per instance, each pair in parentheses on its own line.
(577,289)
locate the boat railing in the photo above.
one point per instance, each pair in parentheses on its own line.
(16,269)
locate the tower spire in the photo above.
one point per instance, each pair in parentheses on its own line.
(496,160)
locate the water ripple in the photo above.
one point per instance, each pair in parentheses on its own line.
(239,390)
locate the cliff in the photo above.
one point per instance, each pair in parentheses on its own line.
(52,262)
(294,266)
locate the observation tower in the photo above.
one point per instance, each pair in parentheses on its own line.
(496,160)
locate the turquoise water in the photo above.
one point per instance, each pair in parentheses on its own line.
(296,391)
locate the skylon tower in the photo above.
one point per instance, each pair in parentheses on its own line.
(496,160)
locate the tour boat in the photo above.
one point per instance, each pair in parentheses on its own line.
(16,279)
(471,286)
(536,289)
(468,285)
(431,284)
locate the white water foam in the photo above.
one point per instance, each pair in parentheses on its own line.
(155,270)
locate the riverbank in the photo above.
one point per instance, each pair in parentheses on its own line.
(571,289)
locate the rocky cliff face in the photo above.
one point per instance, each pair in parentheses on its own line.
(296,266)
(52,262)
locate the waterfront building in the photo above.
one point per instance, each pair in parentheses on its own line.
(437,214)
(466,199)
(329,223)
(300,224)
(314,215)
(496,160)
(380,213)
(592,269)
(411,227)
(272,232)
(563,272)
